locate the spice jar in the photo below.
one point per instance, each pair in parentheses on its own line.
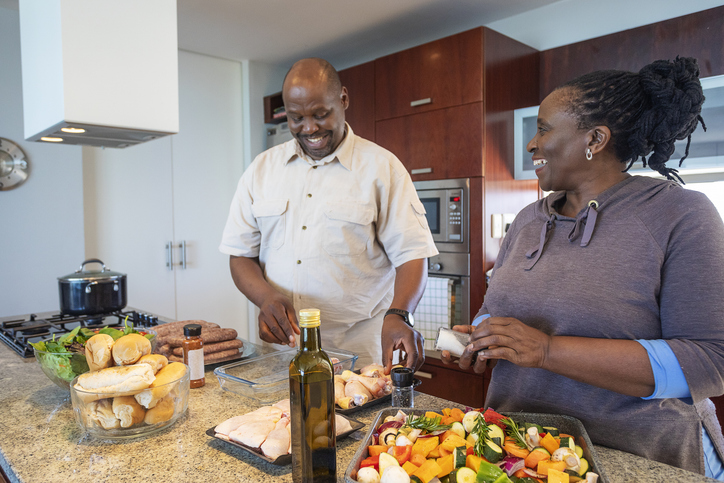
(403,395)
(193,347)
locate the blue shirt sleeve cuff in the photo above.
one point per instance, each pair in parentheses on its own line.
(668,376)
(479,319)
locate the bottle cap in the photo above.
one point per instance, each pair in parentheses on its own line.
(309,318)
(402,376)
(192,330)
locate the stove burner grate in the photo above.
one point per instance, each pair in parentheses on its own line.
(18,333)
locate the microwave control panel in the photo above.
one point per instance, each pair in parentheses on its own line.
(455,215)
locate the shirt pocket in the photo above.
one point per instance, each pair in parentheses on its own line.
(271,218)
(348,227)
(419,209)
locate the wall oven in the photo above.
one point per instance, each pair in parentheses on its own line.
(446,301)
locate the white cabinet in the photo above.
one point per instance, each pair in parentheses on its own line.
(174,190)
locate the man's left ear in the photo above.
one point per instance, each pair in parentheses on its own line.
(344,97)
(600,136)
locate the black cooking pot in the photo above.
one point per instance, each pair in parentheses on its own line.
(89,293)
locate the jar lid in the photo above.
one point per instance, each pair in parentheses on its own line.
(192,330)
(402,376)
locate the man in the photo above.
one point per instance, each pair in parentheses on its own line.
(332,221)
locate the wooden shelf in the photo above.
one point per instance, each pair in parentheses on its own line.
(271,103)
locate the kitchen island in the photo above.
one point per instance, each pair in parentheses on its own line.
(40,440)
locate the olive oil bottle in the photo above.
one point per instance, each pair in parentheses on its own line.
(311,394)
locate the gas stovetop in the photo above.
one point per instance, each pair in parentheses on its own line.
(18,331)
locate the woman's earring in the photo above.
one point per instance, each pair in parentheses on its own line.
(589,154)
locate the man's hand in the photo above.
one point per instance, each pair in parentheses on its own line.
(396,334)
(278,320)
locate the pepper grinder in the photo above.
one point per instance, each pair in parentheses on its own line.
(403,395)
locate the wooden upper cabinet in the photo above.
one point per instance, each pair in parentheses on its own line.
(440,74)
(360,83)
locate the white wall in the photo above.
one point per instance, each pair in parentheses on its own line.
(41,221)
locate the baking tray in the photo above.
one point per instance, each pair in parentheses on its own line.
(565,424)
(285,459)
(375,402)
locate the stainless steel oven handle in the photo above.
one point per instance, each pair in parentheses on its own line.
(421,171)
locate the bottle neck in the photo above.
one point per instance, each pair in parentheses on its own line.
(310,339)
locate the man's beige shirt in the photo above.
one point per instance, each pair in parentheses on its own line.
(329,233)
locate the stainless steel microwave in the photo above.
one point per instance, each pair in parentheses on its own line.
(447,203)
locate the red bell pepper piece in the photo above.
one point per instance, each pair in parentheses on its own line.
(373,461)
(491,417)
(402,454)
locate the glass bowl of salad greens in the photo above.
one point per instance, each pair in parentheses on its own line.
(63,358)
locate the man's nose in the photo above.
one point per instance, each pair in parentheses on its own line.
(309,126)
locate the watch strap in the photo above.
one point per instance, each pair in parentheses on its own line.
(406,316)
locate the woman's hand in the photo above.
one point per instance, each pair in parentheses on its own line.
(506,338)
(479,364)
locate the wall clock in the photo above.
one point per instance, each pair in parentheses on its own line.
(13,165)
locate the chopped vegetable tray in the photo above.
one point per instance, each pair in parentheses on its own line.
(565,424)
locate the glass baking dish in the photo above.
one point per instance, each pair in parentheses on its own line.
(266,378)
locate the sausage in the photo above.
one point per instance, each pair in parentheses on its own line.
(207,335)
(214,347)
(211,358)
(178,326)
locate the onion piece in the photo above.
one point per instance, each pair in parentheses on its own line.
(511,464)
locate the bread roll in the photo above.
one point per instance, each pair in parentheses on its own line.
(114,381)
(161,386)
(98,352)
(102,413)
(156,361)
(163,411)
(128,411)
(129,348)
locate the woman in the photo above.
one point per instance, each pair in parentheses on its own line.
(606,302)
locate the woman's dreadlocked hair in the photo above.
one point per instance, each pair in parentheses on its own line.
(646,112)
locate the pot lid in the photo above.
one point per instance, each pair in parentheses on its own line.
(85,275)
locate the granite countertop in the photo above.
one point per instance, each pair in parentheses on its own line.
(40,440)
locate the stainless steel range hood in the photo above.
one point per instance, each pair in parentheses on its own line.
(99,72)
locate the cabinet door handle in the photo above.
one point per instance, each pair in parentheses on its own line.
(169,255)
(182,246)
(421,171)
(425,375)
(421,102)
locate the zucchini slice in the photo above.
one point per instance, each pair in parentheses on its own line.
(551,430)
(459,456)
(495,433)
(568,442)
(463,475)
(584,467)
(492,452)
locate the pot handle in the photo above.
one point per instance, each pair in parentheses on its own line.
(88,287)
(91,260)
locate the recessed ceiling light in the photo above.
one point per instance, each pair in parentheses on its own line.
(73,130)
(51,140)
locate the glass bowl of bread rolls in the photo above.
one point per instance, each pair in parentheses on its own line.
(128,392)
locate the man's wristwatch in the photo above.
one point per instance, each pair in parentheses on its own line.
(406,316)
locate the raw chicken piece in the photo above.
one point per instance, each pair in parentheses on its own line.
(283,405)
(263,413)
(373,370)
(377,386)
(253,433)
(359,394)
(340,398)
(277,443)
(341,424)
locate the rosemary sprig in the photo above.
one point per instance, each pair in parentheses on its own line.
(426,424)
(480,429)
(514,432)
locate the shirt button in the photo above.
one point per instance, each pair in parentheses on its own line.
(304,228)
(314,167)
(309,195)
(298,262)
